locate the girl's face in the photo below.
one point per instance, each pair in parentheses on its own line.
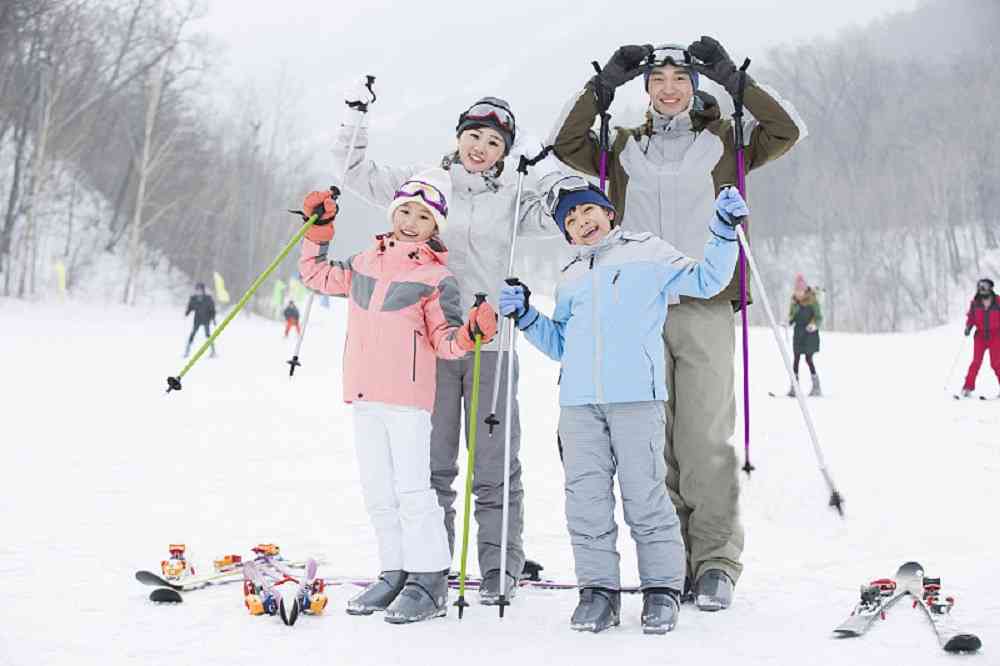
(670,90)
(413,223)
(480,148)
(588,223)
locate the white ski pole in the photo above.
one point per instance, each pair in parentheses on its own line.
(369,82)
(836,500)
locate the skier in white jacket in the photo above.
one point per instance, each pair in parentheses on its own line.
(481,210)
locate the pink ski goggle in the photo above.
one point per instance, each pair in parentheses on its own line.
(485,111)
(431,195)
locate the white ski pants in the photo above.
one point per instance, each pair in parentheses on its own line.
(393,449)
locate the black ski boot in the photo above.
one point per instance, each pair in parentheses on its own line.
(378,595)
(713,590)
(660,608)
(599,608)
(424,596)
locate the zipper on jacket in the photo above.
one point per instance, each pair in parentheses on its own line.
(614,285)
(415,334)
(596,323)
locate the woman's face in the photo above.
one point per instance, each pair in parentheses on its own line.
(480,148)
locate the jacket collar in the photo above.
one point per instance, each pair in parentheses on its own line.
(430,251)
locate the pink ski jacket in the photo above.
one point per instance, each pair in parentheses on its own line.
(403,310)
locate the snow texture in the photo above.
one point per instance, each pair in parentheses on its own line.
(103,471)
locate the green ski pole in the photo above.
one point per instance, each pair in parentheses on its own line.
(174,383)
(470,464)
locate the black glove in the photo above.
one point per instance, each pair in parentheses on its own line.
(716,64)
(968,329)
(625,65)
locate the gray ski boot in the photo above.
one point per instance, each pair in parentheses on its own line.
(378,595)
(713,590)
(660,608)
(816,391)
(424,596)
(598,609)
(489,588)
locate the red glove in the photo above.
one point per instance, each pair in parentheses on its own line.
(482,318)
(323,204)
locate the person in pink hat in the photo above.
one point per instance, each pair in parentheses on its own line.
(805,316)
(403,314)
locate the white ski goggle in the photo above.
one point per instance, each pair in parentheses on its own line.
(560,187)
(669,54)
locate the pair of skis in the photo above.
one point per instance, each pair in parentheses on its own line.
(882,594)
(957,396)
(261,596)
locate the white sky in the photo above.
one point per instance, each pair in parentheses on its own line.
(434,58)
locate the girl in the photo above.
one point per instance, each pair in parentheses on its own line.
(403,311)
(804,313)
(478,238)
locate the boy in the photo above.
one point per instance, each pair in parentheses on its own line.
(611,303)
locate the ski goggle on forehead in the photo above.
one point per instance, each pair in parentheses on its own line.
(485,111)
(669,54)
(984,285)
(561,187)
(431,195)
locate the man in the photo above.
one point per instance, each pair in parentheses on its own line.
(203,307)
(664,178)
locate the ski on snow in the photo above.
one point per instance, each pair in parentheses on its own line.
(880,595)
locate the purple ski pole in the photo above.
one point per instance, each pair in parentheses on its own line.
(741,185)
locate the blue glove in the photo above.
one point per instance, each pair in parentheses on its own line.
(730,205)
(514,300)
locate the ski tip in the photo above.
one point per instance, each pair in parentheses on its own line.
(288,615)
(165,595)
(963,643)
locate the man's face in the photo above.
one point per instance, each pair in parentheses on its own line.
(670,89)
(588,223)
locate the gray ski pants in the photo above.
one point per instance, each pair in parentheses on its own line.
(449,419)
(627,438)
(702,467)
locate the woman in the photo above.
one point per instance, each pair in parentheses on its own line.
(984,316)
(483,176)
(805,315)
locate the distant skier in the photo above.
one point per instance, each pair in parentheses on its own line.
(292,319)
(805,315)
(203,307)
(606,332)
(984,316)
(404,313)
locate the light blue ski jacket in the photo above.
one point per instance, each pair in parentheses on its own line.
(611,304)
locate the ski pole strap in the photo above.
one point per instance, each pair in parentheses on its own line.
(738,103)
(363,106)
(525,161)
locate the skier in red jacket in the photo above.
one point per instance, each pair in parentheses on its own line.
(984,316)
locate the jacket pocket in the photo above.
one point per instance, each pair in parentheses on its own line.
(614,286)
(416,334)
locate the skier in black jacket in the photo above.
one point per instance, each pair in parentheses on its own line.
(204,313)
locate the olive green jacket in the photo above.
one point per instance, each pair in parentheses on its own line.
(773,130)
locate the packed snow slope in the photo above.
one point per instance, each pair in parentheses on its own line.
(103,470)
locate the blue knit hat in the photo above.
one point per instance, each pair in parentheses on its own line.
(570,200)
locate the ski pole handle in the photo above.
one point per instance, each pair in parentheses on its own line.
(480,298)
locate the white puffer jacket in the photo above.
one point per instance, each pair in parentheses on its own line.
(480,211)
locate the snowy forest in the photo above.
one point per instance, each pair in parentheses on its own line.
(110,144)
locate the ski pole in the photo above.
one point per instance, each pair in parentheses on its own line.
(363,107)
(836,500)
(951,371)
(174,383)
(473,417)
(741,185)
(604,137)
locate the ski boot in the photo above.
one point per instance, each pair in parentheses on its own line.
(424,596)
(177,567)
(713,591)
(259,600)
(489,588)
(598,609)
(378,595)
(966,393)
(816,391)
(660,608)
(791,391)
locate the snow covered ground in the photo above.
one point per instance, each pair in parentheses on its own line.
(102,471)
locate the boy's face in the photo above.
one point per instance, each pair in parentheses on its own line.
(670,89)
(413,223)
(588,223)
